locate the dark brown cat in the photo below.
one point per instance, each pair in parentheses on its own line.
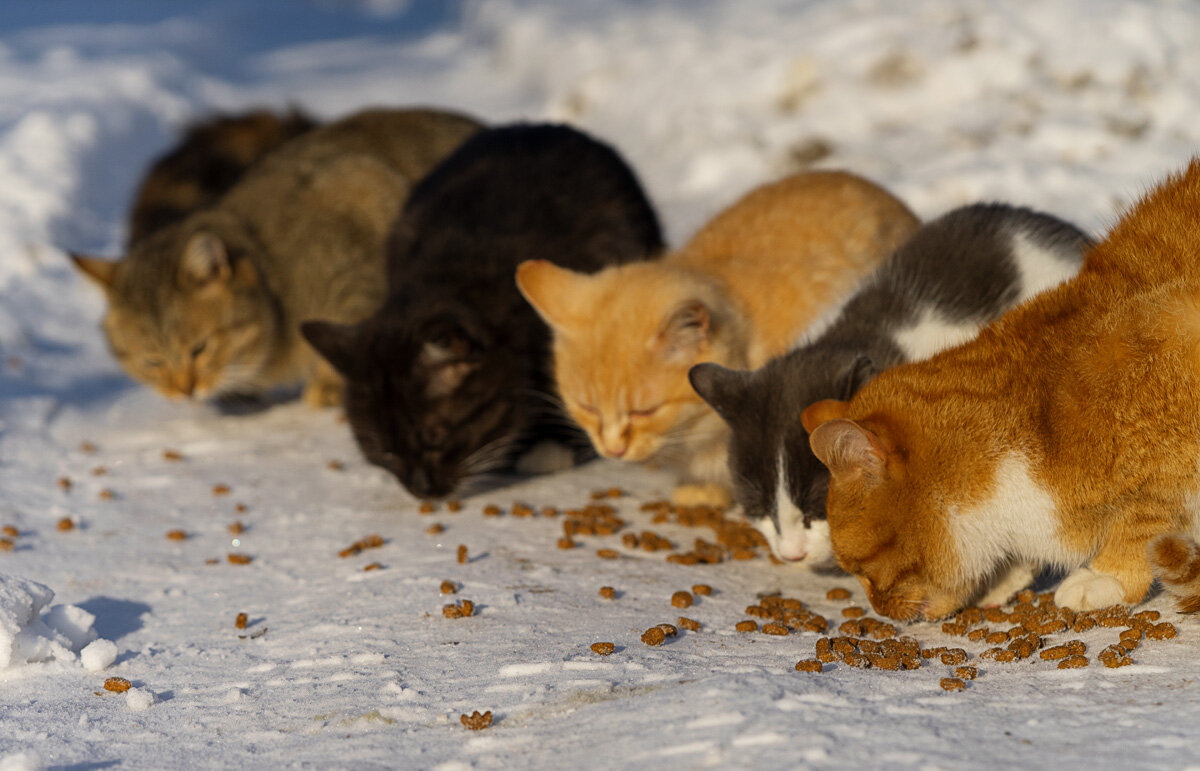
(212,304)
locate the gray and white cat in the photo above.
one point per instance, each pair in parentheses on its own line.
(951,278)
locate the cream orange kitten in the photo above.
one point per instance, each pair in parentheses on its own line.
(1065,435)
(742,291)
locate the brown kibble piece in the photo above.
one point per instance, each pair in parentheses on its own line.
(952,684)
(241,621)
(857,660)
(236,528)
(603,648)
(221,489)
(88,447)
(809,665)
(1073,662)
(462,554)
(335,465)
(608,593)
(451,611)
(703,589)
(681,600)
(453,506)
(106,494)
(372,566)
(239,559)
(966,673)
(427,507)
(491,510)
(65,524)
(608,554)
(954,656)
(654,636)
(1164,631)
(566,543)
(241,508)
(468,608)
(7,544)
(117,685)
(746,626)
(10,530)
(449,587)
(549,511)
(668,629)
(853,612)
(434,529)
(212,561)
(1055,653)
(778,630)
(173,456)
(64,483)
(476,721)
(689,624)
(177,535)
(99,471)
(837,593)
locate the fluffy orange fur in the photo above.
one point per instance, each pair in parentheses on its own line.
(1067,434)
(745,287)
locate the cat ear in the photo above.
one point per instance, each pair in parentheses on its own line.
(448,355)
(724,389)
(685,332)
(99,270)
(848,449)
(553,292)
(857,375)
(822,411)
(335,342)
(205,259)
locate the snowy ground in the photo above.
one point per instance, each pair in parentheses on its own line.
(1071,106)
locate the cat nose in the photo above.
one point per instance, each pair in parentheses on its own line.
(615,451)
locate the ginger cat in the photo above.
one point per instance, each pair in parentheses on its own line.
(742,291)
(1067,434)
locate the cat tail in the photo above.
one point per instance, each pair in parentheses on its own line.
(1175,558)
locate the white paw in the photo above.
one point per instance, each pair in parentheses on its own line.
(700,495)
(1085,589)
(546,458)
(1008,583)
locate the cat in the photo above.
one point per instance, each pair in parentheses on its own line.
(211,304)
(738,294)
(450,378)
(212,156)
(939,289)
(1066,434)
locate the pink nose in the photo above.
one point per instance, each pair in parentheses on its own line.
(793,556)
(615,452)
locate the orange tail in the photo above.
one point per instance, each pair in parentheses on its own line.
(1176,562)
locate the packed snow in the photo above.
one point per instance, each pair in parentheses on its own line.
(1071,106)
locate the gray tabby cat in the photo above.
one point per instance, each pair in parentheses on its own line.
(212,304)
(955,275)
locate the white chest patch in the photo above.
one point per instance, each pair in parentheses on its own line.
(1040,269)
(1018,521)
(933,333)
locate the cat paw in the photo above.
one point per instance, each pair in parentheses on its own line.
(1085,589)
(323,394)
(701,495)
(546,458)
(1008,583)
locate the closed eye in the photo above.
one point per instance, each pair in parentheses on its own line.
(589,409)
(199,347)
(646,412)
(153,363)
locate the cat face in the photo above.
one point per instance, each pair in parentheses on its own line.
(886,522)
(624,340)
(186,316)
(431,399)
(779,483)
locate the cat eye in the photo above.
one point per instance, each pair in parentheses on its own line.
(153,363)
(589,409)
(645,413)
(198,348)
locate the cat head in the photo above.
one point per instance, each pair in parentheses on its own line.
(778,482)
(187,312)
(624,339)
(431,397)
(887,513)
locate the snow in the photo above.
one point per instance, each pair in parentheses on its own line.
(1072,106)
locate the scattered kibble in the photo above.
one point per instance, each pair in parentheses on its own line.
(99,471)
(372,566)
(106,494)
(603,648)
(746,626)
(778,630)
(809,665)
(462,554)
(491,510)
(177,535)
(966,673)
(88,447)
(681,600)
(7,544)
(64,483)
(454,506)
(1073,662)
(335,465)
(236,528)
(10,530)
(221,489)
(66,524)
(239,559)
(566,543)
(952,684)
(853,612)
(427,507)
(689,624)
(449,587)
(373,541)
(241,621)
(174,456)
(476,721)
(608,593)
(117,685)
(435,528)
(654,636)
(608,554)
(703,589)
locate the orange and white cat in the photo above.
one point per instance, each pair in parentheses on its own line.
(742,291)
(1067,435)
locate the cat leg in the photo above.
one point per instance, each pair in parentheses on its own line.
(324,387)
(1018,576)
(1120,572)
(546,457)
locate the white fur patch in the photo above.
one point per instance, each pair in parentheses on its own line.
(933,333)
(1017,522)
(792,541)
(1040,268)
(1087,589)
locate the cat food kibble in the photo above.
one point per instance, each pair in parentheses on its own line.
(952,684)
(549,511)
(427,507)
(87,447)
(239,559)
(64,483)
(241,508)
(809,665)
(106,494)
(236,528)
(177,535)
(966,673)
(65,524)
(117,685)
(453,506)
(837,593)
(668,629)
(434,529)
(954,656)
(603,648)
(1073,662)
(1163,631)
(468,607)
(173,456)
(746,626)
(853,612)
(335,465)
(608,593)
(7,544)
(10,530)
(462,554)
(449,587)
(372,566)
(566,543)
(703,589)
(241,621)
(775,629)
(476,721)
(221,490)
(99,471)
(491,510)
(608,554)
(681,600)
(689,624)
(654,636)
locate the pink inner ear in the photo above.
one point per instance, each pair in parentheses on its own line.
(847,448)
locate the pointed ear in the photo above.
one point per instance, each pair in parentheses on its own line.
(822,411)
(335,342)
(101,271)
(848,449)
(724,389)
(857,375)
(205,260)
(685,331)
(553,292)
